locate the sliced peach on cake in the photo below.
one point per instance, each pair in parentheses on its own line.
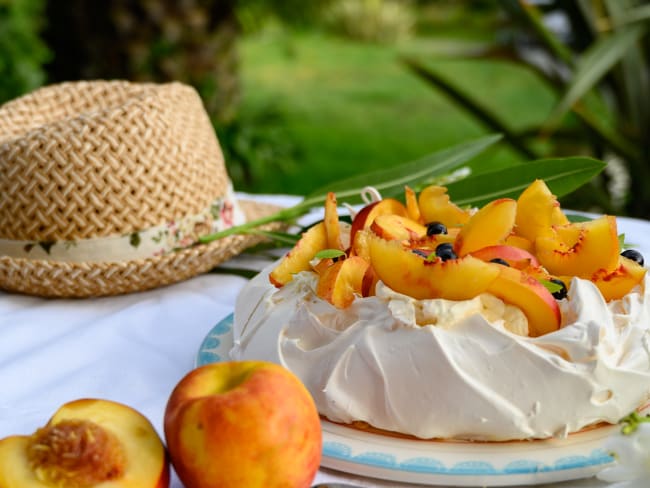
(514,256)
(298,258)
(535,301)
(393,226)
(521,242)
(331,220)
(435,206)
(432,241)
(366,216)
(537,211)
(412,208)
(491,225)
(343,281)
(618,283)
(580,249)
(409,273)
(87,443)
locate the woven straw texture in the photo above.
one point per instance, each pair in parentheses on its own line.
(92,159)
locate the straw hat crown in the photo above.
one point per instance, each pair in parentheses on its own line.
(88,159)
(106,186)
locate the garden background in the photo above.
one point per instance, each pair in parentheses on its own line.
(304,93)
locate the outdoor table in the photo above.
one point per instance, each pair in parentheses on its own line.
(134,348)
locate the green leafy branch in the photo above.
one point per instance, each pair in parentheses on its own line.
(562,175)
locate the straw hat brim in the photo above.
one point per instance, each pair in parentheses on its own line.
(67,279)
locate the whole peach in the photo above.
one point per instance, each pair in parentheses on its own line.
(243,424)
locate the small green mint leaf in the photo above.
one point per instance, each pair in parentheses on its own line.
(329,254)
(550,286)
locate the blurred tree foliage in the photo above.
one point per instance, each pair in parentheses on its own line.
(595,54)
(193,41)
(23,51)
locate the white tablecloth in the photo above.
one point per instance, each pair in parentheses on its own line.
(131,349)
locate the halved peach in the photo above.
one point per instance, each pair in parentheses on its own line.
(366,216)
(580,249)
(537,211)
(343,281)
(435,206)
(87,443)
(618,283)
(514,256)
(487,227)
(407,272)
(393,226)
(521,290)
(298,258)
(412,208)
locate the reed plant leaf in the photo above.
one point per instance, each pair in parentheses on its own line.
(597,61)
(452,90)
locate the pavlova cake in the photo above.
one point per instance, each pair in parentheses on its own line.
(426,319)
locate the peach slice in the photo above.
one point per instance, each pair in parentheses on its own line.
(393,226)
(409,273)
(298,258)
(435,206)
(87,443)
(514,256)
(538,210)
(412,208)
(331,220)
(431,242)
(521,290)
(367,215)
(343,281)
(618,283)
(521,242)
(580,249)
(491,225)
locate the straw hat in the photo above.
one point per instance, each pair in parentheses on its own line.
(105,187)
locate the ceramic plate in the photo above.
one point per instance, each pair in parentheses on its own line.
(444,462)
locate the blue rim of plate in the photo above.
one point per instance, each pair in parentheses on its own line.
(380,464)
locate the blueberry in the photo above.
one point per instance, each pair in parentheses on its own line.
(500,261)
(561,293)
(435,228)
(445,251)
(634,255)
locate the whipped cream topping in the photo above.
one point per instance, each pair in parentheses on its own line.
(455,370)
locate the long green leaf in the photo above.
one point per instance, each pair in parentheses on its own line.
(633,74)
(535,19)
(388,181)
(562,175)
(392,180)
(637,14)
(595,63)
(468,103)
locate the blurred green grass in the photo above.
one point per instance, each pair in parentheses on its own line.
(349,107)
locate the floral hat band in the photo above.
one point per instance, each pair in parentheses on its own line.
(224,212)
